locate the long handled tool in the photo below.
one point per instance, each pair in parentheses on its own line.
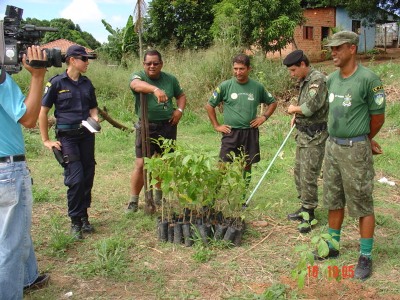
(269,166)
(149,207)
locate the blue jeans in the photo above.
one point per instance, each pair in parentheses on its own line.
(18,266)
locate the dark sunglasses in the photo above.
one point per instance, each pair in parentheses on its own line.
(82,58)
(148,64)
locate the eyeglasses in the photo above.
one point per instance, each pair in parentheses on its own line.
(82,58)
(154,63)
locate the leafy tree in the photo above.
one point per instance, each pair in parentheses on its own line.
(227,23)
(160,23)
(185,23)
(66,30)
(36,22)
(120,41)
(269,24)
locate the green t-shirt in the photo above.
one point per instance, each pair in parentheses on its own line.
(240,101)
(351,102)
(158,111)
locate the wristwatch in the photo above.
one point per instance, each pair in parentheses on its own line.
(180,109)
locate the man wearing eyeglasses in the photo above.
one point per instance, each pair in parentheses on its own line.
(73,96)
(163,115)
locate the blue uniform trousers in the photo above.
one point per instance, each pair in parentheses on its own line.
(79,173)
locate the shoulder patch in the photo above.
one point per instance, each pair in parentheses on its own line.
(216,92)
(312,92)
(377,88)
(379,98)
(136,77)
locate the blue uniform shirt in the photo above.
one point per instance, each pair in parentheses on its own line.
(72,99)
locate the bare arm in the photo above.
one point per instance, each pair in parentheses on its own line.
(94,114)
(141,86)
(177,114)
(213,118)
(261,119)
(375,125)
(44,129)
(34,97)
(294,109)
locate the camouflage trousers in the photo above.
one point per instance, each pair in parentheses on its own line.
(348,178)
(306,172)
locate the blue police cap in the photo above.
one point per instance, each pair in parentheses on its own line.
(76,50)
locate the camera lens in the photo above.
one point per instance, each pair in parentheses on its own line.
(53,57)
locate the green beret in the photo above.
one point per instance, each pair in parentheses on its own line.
(293,58)
(343,37)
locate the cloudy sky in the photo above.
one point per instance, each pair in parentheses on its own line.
(86,13)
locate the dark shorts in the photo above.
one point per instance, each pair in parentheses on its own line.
(162,129)
(241,141)
(349,178)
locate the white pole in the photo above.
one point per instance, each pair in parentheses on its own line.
(269,166)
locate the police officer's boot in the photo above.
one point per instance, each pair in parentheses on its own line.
(86,226)
(133,205)
(76,228)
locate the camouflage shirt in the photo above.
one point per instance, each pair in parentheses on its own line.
(313,99)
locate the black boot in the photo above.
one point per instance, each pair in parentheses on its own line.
(76,228)
(297,217)
(86,226)
(364,268)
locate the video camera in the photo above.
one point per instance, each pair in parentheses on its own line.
(17,39)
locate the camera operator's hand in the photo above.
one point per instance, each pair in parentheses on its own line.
(34,53)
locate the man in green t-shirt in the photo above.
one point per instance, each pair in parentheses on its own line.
(163,116)
(240,97)
(356,114)
(310,114)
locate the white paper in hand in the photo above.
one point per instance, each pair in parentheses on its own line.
(91,125)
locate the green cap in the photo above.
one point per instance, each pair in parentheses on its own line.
(343,37)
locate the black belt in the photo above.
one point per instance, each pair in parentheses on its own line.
(12,158)
(348,141)
(312,129)
(70,132)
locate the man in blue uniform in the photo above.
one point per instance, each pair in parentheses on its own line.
(73,96)
(18,266)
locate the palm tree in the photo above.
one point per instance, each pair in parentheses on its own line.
(139,12)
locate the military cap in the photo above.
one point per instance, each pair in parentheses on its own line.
(293,58)
(343,37)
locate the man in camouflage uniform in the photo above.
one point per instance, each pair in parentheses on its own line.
(309,116)
(356,114)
